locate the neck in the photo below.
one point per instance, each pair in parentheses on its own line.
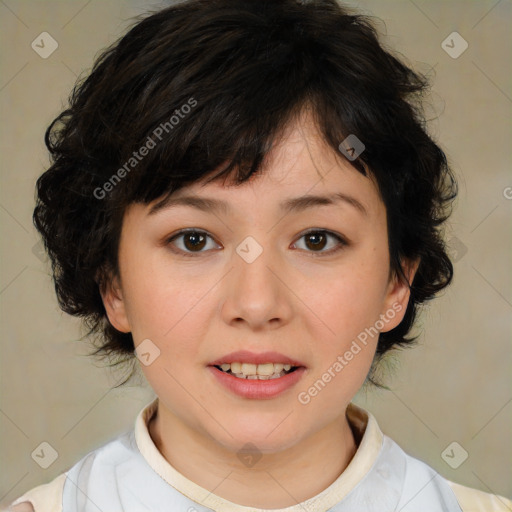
(278,480)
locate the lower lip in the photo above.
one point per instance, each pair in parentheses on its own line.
(258,389)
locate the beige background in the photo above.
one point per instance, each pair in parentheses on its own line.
(455,386)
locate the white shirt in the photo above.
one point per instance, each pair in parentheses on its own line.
(129,474)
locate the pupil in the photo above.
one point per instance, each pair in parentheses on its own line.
(316,236)
(197,240)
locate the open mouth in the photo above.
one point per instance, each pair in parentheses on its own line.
(266,371)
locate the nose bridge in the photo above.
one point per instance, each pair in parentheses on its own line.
(255,294)
(252,262)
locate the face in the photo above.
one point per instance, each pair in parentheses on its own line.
(267,272)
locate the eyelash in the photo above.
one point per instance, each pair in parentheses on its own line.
(342,242)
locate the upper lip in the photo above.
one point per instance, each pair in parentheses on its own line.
(244,356)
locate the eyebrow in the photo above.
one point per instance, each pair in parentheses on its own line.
(295,204)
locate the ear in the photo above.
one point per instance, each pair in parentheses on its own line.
(397,295)
(112,296)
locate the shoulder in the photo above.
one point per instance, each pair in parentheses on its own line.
(473,500)
(43,498)
(422,484)
(49,497)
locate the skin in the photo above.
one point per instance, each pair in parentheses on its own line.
(296,298)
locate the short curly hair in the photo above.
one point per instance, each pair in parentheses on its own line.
(211,84)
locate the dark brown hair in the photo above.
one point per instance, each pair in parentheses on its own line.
(210,84)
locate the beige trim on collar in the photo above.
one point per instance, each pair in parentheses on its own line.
(362,421)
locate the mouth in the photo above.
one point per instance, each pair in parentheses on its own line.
(249,371)
(257,375)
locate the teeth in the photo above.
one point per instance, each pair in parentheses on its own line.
(265,370)
(251,371)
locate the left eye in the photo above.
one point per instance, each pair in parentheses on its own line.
(317,240)
(194,241)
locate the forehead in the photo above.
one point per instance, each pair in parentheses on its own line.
(300,170)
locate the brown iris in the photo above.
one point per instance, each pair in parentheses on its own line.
(319,240)
(194,240)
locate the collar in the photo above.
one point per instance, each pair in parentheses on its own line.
(363,424)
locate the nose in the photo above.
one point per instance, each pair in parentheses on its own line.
(256,293)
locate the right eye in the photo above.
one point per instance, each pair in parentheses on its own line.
(192,241)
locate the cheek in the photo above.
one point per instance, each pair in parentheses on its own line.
(162,303)
(352,300)
(349,306)
(344,352)
(170,312)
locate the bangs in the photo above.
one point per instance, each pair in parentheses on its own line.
(222,102)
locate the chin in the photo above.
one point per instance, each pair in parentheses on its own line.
(268,433)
